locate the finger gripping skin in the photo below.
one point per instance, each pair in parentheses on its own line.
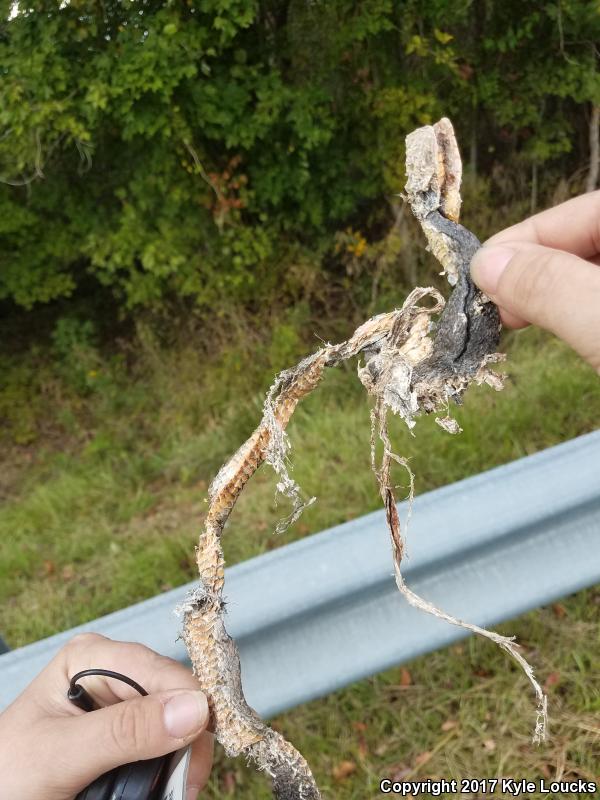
(405,369)
(469,328)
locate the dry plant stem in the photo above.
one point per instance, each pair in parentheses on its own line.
(407,370)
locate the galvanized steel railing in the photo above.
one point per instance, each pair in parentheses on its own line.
(320,613)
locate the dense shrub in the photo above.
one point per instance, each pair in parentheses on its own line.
(195,150)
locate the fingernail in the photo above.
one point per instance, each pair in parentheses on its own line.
(185,714)
(487,266)
(192,793)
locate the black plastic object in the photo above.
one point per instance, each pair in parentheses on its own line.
(141,780)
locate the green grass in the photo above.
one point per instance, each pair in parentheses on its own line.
(466,713)
(103,495)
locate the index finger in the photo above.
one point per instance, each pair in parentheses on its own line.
(154,672)
(573,226)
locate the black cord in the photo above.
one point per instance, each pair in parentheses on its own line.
(140,780)
(82,699)
(108,673)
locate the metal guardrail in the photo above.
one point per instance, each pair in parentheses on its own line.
(320,613)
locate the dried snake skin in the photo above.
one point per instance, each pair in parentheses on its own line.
(410,365)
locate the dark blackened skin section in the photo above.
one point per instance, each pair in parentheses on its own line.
(291,778)
(287,787)
(468,329)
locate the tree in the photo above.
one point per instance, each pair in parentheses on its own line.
(192,149)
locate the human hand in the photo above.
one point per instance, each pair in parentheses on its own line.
(546,270)
(51,750)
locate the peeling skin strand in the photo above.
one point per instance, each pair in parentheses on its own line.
(213,653)
(410,365)
(276,456)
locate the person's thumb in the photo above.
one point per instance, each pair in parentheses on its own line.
(550,288)
(132,730)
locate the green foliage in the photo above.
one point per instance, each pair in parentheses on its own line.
(71,334)
(20,407)
(76,355)
(183,151)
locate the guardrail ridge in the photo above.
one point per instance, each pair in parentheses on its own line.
(318,614)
